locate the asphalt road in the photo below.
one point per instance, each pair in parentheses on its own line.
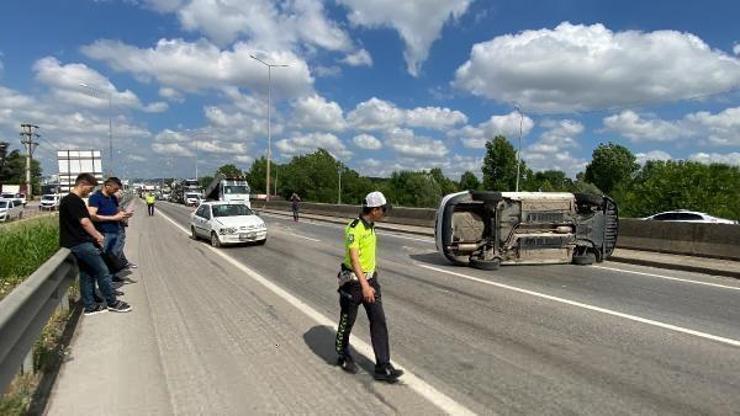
(612,339)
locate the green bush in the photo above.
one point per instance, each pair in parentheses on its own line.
(25,246)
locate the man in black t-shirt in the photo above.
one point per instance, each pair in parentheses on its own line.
(77,233)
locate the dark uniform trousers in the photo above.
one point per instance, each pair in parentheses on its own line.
(350,298)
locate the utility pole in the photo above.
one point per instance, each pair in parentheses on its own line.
(519,151)
(28,133)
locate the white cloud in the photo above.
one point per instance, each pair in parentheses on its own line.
(736,49)
(171,94)
(729,158)
(434,118)
(198,66)
(172,149)
(578,67)
(418,23)
(375,114)
(631,125)
(272,25)
(366,141)
(652,155)
(406,143)
(553,149)
(720,129)
(66,82)
(307,143)
(314,112)
(359,58)
(327,71)
(218,147)
(475,137)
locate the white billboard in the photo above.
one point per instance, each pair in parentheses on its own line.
(73,162)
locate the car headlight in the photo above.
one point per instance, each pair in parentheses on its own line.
(229,230)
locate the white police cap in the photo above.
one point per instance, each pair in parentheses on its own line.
(375,199)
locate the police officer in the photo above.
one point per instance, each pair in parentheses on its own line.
(358,285)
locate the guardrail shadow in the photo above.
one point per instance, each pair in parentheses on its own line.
(320,339)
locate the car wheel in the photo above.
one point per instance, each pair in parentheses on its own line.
(486,196)
(193,235)
(485,264)
(215,242)
(585,259)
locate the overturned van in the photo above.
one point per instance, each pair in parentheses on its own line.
(487,229)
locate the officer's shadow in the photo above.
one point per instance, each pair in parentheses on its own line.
(320,339)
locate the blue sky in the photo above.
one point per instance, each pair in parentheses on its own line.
(382,84)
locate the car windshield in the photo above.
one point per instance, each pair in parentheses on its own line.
(6,195)
(191,195)
(231,210)
(236,189)
(47,198)
(3,204)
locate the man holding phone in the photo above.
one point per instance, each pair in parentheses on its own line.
(107,216)
(77,233)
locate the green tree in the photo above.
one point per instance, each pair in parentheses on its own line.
(469,182)
(315,177)
(548,181)
(229,170)
(204,181)
(499,165)
(14,171)
(611,165)
(668,185)
(446,185)
(257,174)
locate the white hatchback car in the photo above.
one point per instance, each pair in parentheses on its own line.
(682,215)
(227,223)
(10,209)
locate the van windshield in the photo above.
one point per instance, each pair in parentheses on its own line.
(3,204)
(47,197)
(231,210)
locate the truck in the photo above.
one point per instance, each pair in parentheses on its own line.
(186,192)
(233,190)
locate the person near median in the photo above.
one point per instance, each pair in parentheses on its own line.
(121,242)
(150,200)
(295,202)
(107,216)
(77,233)
(358,285)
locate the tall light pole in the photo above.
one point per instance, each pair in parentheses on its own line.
(269,134)
(339,195)
(519,151)
(97,91)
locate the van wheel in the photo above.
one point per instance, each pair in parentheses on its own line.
(193,235)
(585,259)
(215,242)
(485,264)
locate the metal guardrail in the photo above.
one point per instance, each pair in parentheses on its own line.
(26,309)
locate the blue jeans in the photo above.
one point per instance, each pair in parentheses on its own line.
(93,269)
(113,243)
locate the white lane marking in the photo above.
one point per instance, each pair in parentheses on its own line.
(423,240)
(677,279)
(434,396)
(292,233)
(728,341)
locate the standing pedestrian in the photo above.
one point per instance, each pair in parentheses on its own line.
(150,200)
(358,285)
(121,244)
(77,233)
(295,202)
(107,216)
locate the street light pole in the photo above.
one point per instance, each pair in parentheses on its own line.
(519,151)
(269,132)
(110,119)
(339,196)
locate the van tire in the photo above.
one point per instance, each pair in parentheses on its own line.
(485,264)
